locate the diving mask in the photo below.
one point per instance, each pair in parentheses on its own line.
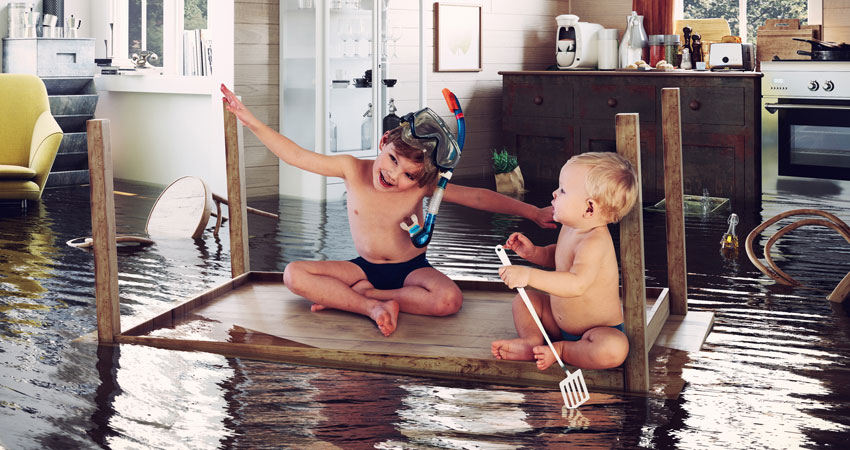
(425,130)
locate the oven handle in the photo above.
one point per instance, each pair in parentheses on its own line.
(773,107)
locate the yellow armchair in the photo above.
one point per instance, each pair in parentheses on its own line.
(29,137)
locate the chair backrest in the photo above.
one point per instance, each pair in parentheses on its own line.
(22,99)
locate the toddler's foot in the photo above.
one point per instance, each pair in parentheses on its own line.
(544,356)
(385,315)
(514,349)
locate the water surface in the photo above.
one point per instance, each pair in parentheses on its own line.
(772,374)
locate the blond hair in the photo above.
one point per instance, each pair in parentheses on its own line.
(611,181)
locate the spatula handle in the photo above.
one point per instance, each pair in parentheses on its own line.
(500,251)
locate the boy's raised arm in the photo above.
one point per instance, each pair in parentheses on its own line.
(488,200)
(284,148)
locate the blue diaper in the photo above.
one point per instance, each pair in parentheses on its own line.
(392,275)
(572,337)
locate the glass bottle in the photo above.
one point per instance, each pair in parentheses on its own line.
(391,121)
(332,131)
(366,129)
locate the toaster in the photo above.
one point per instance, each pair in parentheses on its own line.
(731,56)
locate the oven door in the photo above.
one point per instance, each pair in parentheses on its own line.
(812,137)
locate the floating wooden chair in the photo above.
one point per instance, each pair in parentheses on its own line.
(182,210)
(255,316)
(841,291)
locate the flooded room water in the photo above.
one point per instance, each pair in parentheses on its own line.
(773,373)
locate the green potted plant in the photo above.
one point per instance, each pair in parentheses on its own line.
(509,179)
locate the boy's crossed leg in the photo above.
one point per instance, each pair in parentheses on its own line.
(330,284)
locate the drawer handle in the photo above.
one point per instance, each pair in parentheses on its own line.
(694,105)
(612,102)
(538,100)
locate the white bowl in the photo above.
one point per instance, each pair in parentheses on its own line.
(565,58)
(566,45)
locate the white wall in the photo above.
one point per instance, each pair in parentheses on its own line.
(173,128)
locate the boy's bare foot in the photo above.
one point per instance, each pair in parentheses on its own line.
(360,287)
(543,356)
(385,315)
(514,349)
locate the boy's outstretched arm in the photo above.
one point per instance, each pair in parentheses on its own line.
(488,200)
(284,148)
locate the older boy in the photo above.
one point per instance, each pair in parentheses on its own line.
(580,308)
(391,274)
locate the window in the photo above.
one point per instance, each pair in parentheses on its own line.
(144,28)
(160,26)
(745,16)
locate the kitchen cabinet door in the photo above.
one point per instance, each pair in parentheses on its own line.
(604,139)
(715,162)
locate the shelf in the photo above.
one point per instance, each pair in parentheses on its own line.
(157,84)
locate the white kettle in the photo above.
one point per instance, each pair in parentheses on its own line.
(634,41)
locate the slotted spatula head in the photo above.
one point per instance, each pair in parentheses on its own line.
(574,390)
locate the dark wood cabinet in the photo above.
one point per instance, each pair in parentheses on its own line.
(550,116)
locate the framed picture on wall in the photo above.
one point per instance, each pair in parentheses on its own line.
(457,37)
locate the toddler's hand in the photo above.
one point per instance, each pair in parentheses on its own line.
(520,244)
(515,276)
(236,107)
(544,218)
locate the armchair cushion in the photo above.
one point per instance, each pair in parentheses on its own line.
(29,137)
(8,172)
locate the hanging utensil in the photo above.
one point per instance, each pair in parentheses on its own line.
(573,388)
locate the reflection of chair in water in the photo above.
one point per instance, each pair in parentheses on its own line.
(841,291)
(182,210)
(29,137)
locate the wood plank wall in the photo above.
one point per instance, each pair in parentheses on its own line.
(517,35)
(256,62)
(836,20)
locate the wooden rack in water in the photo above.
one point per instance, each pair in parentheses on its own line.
(255,316)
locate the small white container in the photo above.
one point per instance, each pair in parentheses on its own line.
(608,48)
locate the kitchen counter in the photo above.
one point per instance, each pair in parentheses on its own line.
(548,116)
(635,72)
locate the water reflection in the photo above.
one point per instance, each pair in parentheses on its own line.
(772,373)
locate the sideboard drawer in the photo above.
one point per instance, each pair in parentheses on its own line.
(713,105)
(534,98)
(49,57)
(604,101)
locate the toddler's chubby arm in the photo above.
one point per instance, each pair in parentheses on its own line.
(572,283)
(525,249)
(487,200)
(284,148)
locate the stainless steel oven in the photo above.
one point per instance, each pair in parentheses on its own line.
(805,123)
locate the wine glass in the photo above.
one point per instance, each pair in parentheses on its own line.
(395,35)
(346,33)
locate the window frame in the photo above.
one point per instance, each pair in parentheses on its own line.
(172,35)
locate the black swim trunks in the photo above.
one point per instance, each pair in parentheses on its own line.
(392,275)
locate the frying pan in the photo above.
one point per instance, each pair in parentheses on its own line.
(827,55)
(825,50)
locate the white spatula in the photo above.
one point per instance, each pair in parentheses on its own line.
(573,388)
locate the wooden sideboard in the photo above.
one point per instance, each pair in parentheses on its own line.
(548,116)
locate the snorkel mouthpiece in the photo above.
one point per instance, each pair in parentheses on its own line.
(425,129)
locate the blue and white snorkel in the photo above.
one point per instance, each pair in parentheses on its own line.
(426,128)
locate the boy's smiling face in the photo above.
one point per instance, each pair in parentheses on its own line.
(393,172)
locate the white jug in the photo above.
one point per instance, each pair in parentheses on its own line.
(634,41)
